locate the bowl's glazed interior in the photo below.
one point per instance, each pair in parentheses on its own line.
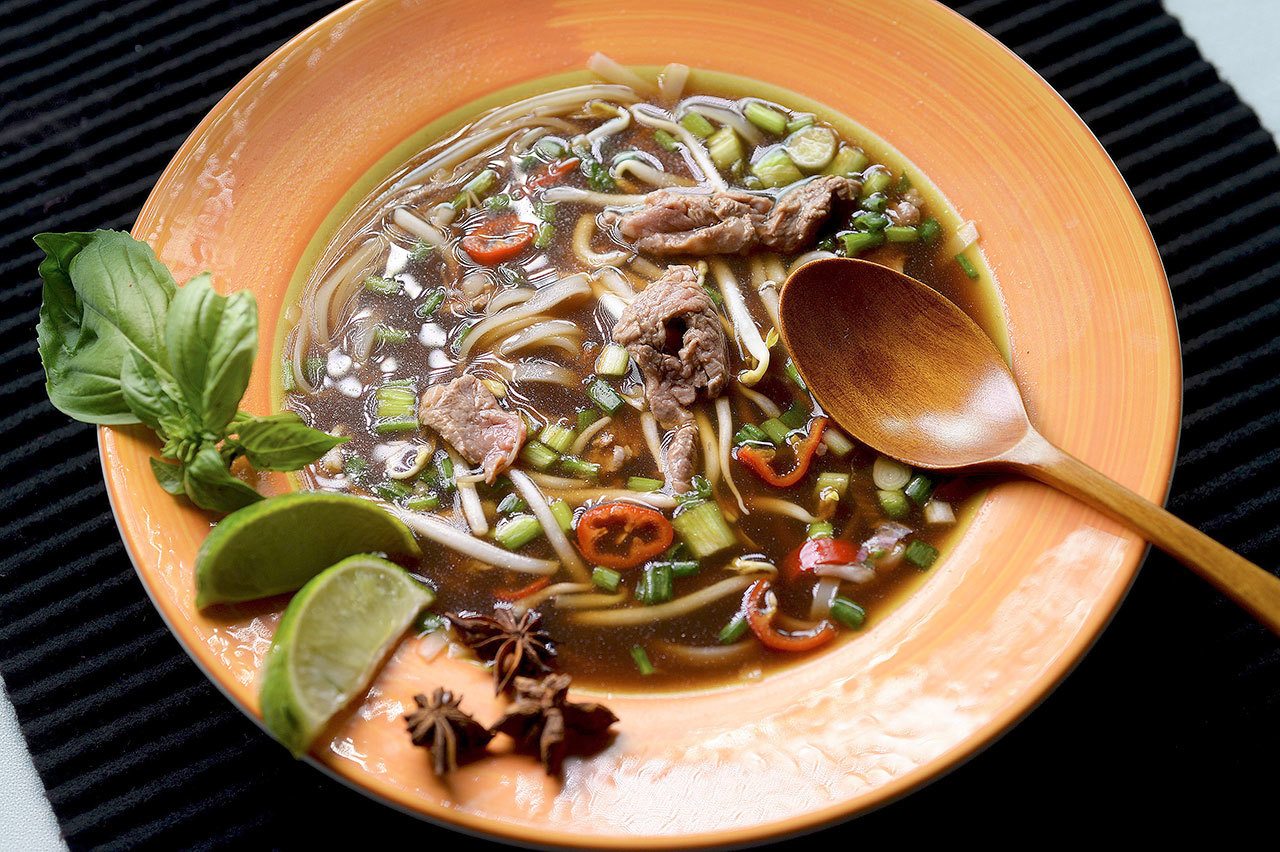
(1000,620)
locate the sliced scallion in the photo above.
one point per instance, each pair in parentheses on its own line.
(704,530)
(606,579)
(538,455)
(643,483)
(563,514)
(612,361)
(641,660)
(558,437)
(921,554)
(515,532)
(847,612)
(605,397)
(766,118)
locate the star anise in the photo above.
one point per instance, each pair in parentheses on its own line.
(517,647)
(542,717)
(441,726)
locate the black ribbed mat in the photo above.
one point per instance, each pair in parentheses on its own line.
(1171,720)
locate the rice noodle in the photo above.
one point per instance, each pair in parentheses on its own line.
(767,406)
(661,612)
(706,654)
(558,332)
(580,443)
(808,257)
(642,171)
(549,593)
(710,448)
(583,231)
(671,82)
(589,601)
(766,286)
(744,326)
(607,69)
(544,371)
(363,338)
(823,593)
(507,298)
(724,115)
(469,498)
(420,228)
(612,127)
(654,499)
(443,533)
(649,426)
(560,102)
(724,438)
(344,278)
(616,283)
(547,480)
(854,572)
(548,297)
(550,527)
(778,506)
(710,174)
(587,196)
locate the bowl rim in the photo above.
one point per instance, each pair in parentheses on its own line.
(1109,600)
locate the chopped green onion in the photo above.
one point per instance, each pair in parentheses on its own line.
(665,140)
(558,437)
(750,433)
(313,368)
(967,266)
(354,467)
(716,298)
(605,397)
(704,530)
(848,162)
(511,505)
(684,568)
(382,286)
(575,466)
(800,123)
(421,251)
(734,630)
(444,471)
(847,612)
(538,455)
(549,148)
(393,425)
(515,532)
(654,585)
(586,417)
(460,332)
(613,361)
(423,502)
(501,201)
(831,481)
(794,375)
(429,622)
(697,124)
(563,514)
(919,489)
(598,177)
(392,490)
(820,529)
(901,234)
(877,180)
(701,487)
(394,400)
(893,503)
(877,202)
(837,442)
(766,118)
(430,304)
(795,417)
(546,233)
(643,483)
(904,184)
(775,169)
(929,230)
(387,334)
(890,474)
(606,578)
(921,554)
(775,430)
(287,383)
(642,660)
(870,221)
(725,148)
(858,241)
(545,210)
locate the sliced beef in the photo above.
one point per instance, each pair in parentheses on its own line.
(467,415)
(794,222)
(732,221)
(674,335)
(688,223)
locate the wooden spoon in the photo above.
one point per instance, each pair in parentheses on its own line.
(911,375)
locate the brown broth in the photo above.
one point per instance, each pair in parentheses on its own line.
(599,656)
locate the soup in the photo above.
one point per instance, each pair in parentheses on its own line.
(550,339)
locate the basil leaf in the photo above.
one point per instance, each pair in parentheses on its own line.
(283,442)
(81,353)
(211,486)
(121,280)
(154,401)
(169,476)
(212,341)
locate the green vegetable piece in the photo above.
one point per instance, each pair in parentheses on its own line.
(666,141)
(381,285)
(643,483)
(919,489)
(697,124)
(921,554)
(766,118)
(967,266)
(725,148)
(812,148)
(859,241)
(282,441)
(655,584)
(893,503)
(733,631)
(605,397)
(515,532)
(563,514)
(847,612)
(641,659)
(428,306)
(847,162)
(901,234)
(775,169)
(929,230)
(606,578)
(704,530)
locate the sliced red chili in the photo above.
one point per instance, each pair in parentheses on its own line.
(554,173)
(818,551)
(759,460)
(760,620)
(523,592)
(498,240)
(623,535)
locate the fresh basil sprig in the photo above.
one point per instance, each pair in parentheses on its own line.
(122,343)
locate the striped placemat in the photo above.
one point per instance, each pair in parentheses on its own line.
(1171,718)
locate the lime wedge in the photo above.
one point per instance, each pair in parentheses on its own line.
(334,634)
(275,545)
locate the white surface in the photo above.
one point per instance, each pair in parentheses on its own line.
(1238,36)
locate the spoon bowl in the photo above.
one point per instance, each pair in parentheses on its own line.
(907,372)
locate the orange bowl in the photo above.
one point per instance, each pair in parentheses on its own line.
(998,623)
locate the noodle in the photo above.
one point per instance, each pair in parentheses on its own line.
(583,230)
(671,609)
(778,506)
(642,171)
(590,601)
(549,593)
(650,427)
(557,332)
(432,527)
(581,442)
(655,499)
(420,228)
(767,406)
(724,418)
(587,196)
(724,115)
(744,326)
(611,127)
(544,299)
(671,82)
(550,527)
(692,144)
(469,498)
(607,69)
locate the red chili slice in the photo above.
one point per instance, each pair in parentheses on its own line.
(623,535)
(498,240)
(760,620)
(818,551)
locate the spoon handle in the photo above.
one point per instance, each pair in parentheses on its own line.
(1253,588)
